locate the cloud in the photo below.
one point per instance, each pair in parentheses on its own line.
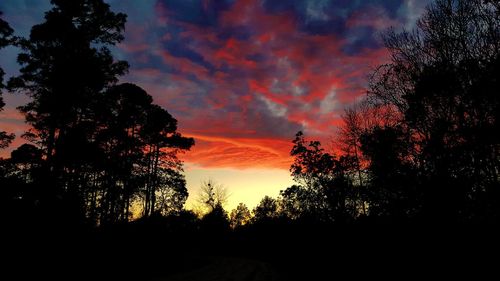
(257,69)
(239,153)
(243,76)
(329,103)
(200,12)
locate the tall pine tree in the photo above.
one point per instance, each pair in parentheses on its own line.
(5,40)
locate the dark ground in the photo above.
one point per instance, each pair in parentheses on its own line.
(150,252)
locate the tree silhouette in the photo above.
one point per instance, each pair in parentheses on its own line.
(239,216)
(138,143)
(66,64)
(164,168)
(443,81)
(325,184)
(266,210)
(5,40)
(392,178)
(215,223)
(212,194)
(123,118)
(421,147)
(28,158)
(171,192)
(66,67)
(105,146)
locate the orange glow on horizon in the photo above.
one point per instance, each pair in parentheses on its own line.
(246,186)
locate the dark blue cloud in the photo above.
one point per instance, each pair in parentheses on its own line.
(178,48)
(199,12)
(256,57)
(150,60)
(238,32)
(270,80)
(313,17)
(331,17)
(327,16)
(360,39)
(333,26)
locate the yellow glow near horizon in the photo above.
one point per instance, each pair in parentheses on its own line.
(247,186)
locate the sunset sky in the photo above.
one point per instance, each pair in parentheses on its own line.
(240,76)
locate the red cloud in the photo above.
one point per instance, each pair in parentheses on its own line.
(239,152)
(267,80)
(259,78)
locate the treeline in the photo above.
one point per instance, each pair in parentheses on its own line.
(422,146)
(424,143)
(98,151)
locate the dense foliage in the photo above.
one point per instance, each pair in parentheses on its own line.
(99,149)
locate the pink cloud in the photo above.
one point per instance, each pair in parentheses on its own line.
(263,84)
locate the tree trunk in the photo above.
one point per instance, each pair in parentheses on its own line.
(155,179)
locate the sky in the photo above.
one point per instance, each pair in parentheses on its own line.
(241,76)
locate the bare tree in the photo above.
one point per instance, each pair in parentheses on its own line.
(212,194)
(359,119)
